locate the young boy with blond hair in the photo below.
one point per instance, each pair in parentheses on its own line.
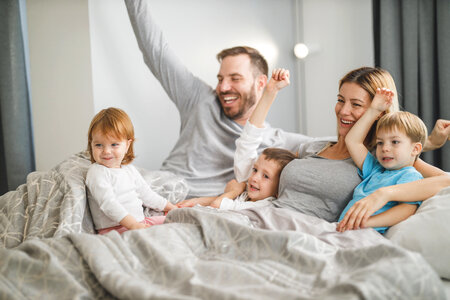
(400,137)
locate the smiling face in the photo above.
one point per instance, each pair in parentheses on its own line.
(263,182)
(237,88)
(108,151)
(352,103)
(395,150)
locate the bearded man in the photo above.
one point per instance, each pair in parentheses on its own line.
(211,119)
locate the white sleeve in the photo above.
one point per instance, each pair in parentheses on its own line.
(102,193)
(229,204)
(246,151)
(149,197)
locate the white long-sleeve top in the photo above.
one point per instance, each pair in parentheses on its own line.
(118,192)
(247,151)
(241,203)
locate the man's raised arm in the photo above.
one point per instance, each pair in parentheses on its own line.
(178,82)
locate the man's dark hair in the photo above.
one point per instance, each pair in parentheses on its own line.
(256,59)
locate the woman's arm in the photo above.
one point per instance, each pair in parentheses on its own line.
(426,169)
(418,190)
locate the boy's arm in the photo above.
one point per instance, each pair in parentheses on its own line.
(418,190)
(279,80)
(357,134)
(246,152)
(232,190)
(391,216)
(247,144)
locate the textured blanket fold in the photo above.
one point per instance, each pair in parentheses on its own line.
(48,251)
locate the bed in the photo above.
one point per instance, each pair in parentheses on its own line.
(49,250)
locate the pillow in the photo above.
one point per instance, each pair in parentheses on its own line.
(427,232)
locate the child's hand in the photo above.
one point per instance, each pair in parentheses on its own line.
(279,80)
(382,100)
(204,201)
(358,215)
(138,225)
(170,206)
(233,185)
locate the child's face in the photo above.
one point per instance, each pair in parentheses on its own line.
(108,151)
(395,150)
(263,181)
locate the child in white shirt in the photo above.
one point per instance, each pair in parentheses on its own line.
(117,189)
(262,185)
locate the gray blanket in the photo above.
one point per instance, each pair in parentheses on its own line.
(49,252)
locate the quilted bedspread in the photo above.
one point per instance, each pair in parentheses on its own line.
(49,251)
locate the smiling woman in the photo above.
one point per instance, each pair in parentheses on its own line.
(322,180)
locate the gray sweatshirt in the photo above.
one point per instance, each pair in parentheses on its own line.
(204,152)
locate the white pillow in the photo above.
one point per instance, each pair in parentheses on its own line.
(427,232)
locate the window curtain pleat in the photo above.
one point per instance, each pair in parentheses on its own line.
(412,42)
(16,145)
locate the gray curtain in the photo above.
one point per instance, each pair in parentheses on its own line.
(16,143)
(412,41)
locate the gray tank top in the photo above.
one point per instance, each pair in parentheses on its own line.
(317,186)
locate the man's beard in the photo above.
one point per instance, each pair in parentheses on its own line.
(247,101)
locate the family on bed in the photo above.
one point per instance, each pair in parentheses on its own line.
(370,177)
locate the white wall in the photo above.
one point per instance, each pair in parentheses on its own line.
(67,89)
(196,30)
(343,31)
(60,71)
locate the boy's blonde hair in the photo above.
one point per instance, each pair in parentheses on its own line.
(407,122)
(113,122)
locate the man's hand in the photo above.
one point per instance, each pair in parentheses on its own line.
(439,135)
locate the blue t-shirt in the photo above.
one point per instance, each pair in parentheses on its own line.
(374,176)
